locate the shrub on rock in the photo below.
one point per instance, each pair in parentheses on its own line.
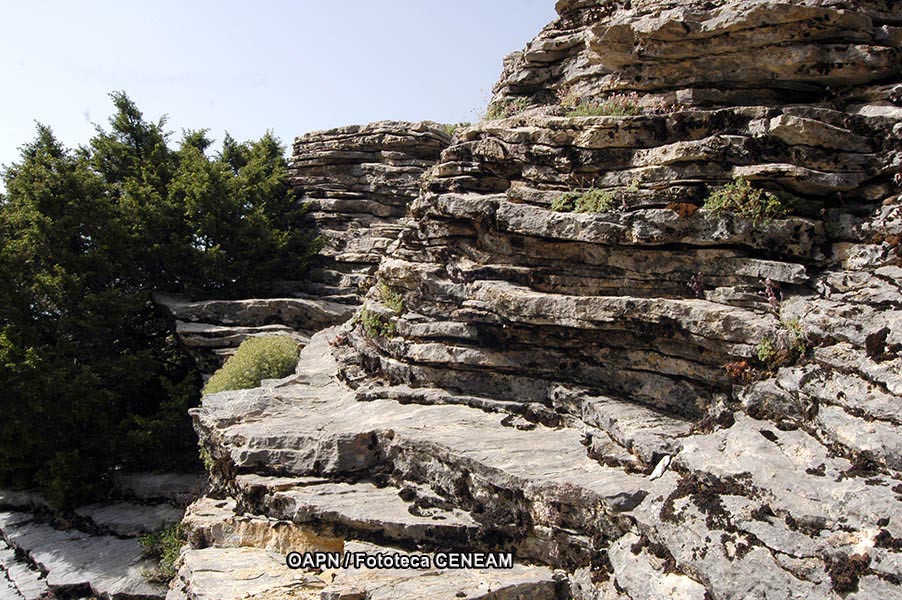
(257,358)
(760,206)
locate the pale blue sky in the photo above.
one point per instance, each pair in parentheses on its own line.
(247,66)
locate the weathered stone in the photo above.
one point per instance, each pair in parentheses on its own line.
(211,522)
(358,182)
(78,563)
(20,579)
(655,396)
(241,573)
(173,487)
(129,520)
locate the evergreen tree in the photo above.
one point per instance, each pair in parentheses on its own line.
(93,377)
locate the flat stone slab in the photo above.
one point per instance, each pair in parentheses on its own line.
(241,573)
(128,519)
(232,573)
(317,420)
(298,312)
(214,522)
(361,507)
(21,499)
(174,487)
(76,562)
(18,579)
(520,582)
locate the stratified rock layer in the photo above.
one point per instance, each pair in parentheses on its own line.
(704,53)
(656,398)
(213,329)
(359,182)
(92,551)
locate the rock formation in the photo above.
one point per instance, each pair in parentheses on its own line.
(654,397)
(359,182)
(93,551)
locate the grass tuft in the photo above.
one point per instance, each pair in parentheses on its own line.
(257,358)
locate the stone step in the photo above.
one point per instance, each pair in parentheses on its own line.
(297,313)
(121,519)
(216,522)
(233,573)
(641,430)
(212,336)
(18,579)
(175,488)
(504,477)
(126,519)
(358,510)
(76,563)
(560,507)
(647,433)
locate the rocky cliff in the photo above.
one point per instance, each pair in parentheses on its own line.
(642,329)
(359,182)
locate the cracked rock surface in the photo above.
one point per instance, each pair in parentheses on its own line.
(643,398)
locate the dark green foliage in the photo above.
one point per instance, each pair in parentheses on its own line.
(93,377)
(225,227)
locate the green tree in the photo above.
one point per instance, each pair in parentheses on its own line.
(93,377)
(80,357)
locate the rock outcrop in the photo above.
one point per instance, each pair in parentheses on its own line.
(359,182)
(644,332)
(92,551)
(213,329)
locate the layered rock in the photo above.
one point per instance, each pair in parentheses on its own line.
(92,551)
(359,182)
(725,52)
(657,397)
(213,329)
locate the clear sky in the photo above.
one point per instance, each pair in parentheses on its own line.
(250,66)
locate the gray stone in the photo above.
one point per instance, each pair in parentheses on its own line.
(128,519)
(76,562)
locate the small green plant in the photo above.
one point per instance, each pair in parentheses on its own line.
(787,347)
(565,202)
(797,338)
(163,544)
(593,200)
(567,98)
(766,351)
(760,206)
(257,358)
(451,128)
(508,107)
(375,325)
(391,299)
(618,105)
(206,458)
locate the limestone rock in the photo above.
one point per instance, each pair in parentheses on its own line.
(129,520)
(78,563)
(565,351)
(358,182)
